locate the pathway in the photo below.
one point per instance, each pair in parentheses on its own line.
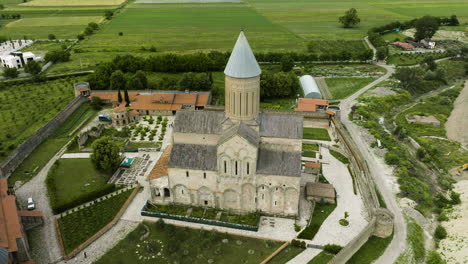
(382,174)
(457,122)
(36,188)
(331,232)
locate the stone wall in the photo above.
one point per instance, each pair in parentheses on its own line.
(22,151)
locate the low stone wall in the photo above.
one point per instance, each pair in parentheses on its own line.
(24,149)
(354,245)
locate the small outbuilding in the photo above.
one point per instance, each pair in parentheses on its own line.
(311,105)
(312,167)
(82,89)
(310,87)
(319,192)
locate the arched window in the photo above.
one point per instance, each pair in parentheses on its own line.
(248,168)
(187,173)
(225,166)
(235,172)
(204,175)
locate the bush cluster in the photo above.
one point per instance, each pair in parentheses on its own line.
(332,248)
(298,243)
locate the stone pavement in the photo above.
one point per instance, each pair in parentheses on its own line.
(331,232)
(81,155)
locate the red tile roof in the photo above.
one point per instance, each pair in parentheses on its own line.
(10,223)
(403,45)
(160,169)
(312,165)
(309,104)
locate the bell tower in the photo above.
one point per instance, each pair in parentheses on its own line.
(242,83)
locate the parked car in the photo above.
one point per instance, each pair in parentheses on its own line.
(31,205)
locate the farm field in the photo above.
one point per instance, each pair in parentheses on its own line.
(27,107)
(340,88)
(72,3)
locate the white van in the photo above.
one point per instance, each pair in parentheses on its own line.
(31,205)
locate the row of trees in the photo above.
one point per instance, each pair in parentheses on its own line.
(280,84)
(10,16)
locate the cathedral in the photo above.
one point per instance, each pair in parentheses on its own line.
(240,159)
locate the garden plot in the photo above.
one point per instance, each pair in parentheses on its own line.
(140,167)
(185,1)
(149,132)
(53,21)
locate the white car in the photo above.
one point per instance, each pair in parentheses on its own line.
(31,205)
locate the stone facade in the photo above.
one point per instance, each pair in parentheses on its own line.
(242,98)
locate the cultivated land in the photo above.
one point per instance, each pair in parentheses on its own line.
(27,107)
(341,88)
(72,2)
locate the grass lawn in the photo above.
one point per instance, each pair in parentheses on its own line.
(45,151)
(286,254)
(73,3)
(144,144)
(171,243)
(42,47)
(322,258)
(78,226)
(309,150)
(337,46)
(316,133)
(76,177)
(371,250)
(321,212)
(27,107)
(339,156)
(340,88)
(402,59)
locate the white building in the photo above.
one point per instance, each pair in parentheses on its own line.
(17,59)
(310,87)
(240,159)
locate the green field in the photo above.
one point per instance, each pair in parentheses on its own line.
(72,2)
(27,107)
(286,255)
(340,88)
(170,244)
(74,178)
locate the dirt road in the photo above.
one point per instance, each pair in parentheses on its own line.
(457,123)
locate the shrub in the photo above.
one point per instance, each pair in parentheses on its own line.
(434,258)
(332,248)
(51,37)
(10,72)
(440,232)
(297,228)
(160,224)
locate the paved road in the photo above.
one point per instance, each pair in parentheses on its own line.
(382,174)
(49,250)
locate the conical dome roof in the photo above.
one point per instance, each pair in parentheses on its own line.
(242,63)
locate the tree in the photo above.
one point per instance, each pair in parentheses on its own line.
(426,27)
(57,56)
(117,82)
(93,26)
(429,63)
(33,67)
(410,78)
(96,103)
(88,31)
(382,53)
(134,83)
(454,21)
(2,6)
(142,77)
(350,18)
(287,63)
(440,232)
(80,37)
(108,14)
(51,37)
(10,72)
(105,155)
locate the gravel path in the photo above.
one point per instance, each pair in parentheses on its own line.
(457,122)
(49,251)
(331,232)
(382,174)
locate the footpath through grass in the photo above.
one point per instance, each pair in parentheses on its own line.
(321,212)
(167,243)
(340,88)
(316,133)
(79,226)
(45,151)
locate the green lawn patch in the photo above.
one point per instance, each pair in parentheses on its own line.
(371,250)
(321,212)
(340,88)
(406,59)
(79,226)
(75,181)
(310,150)
(47,149)
(339,156)
(184,245)
(286,255)
(278,103)
(322,258)
(144,144)
(316,133)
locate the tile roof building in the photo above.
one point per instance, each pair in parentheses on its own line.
(240,159)
(12,233)
(311,105)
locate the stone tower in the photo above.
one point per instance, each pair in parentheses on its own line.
(242,83)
